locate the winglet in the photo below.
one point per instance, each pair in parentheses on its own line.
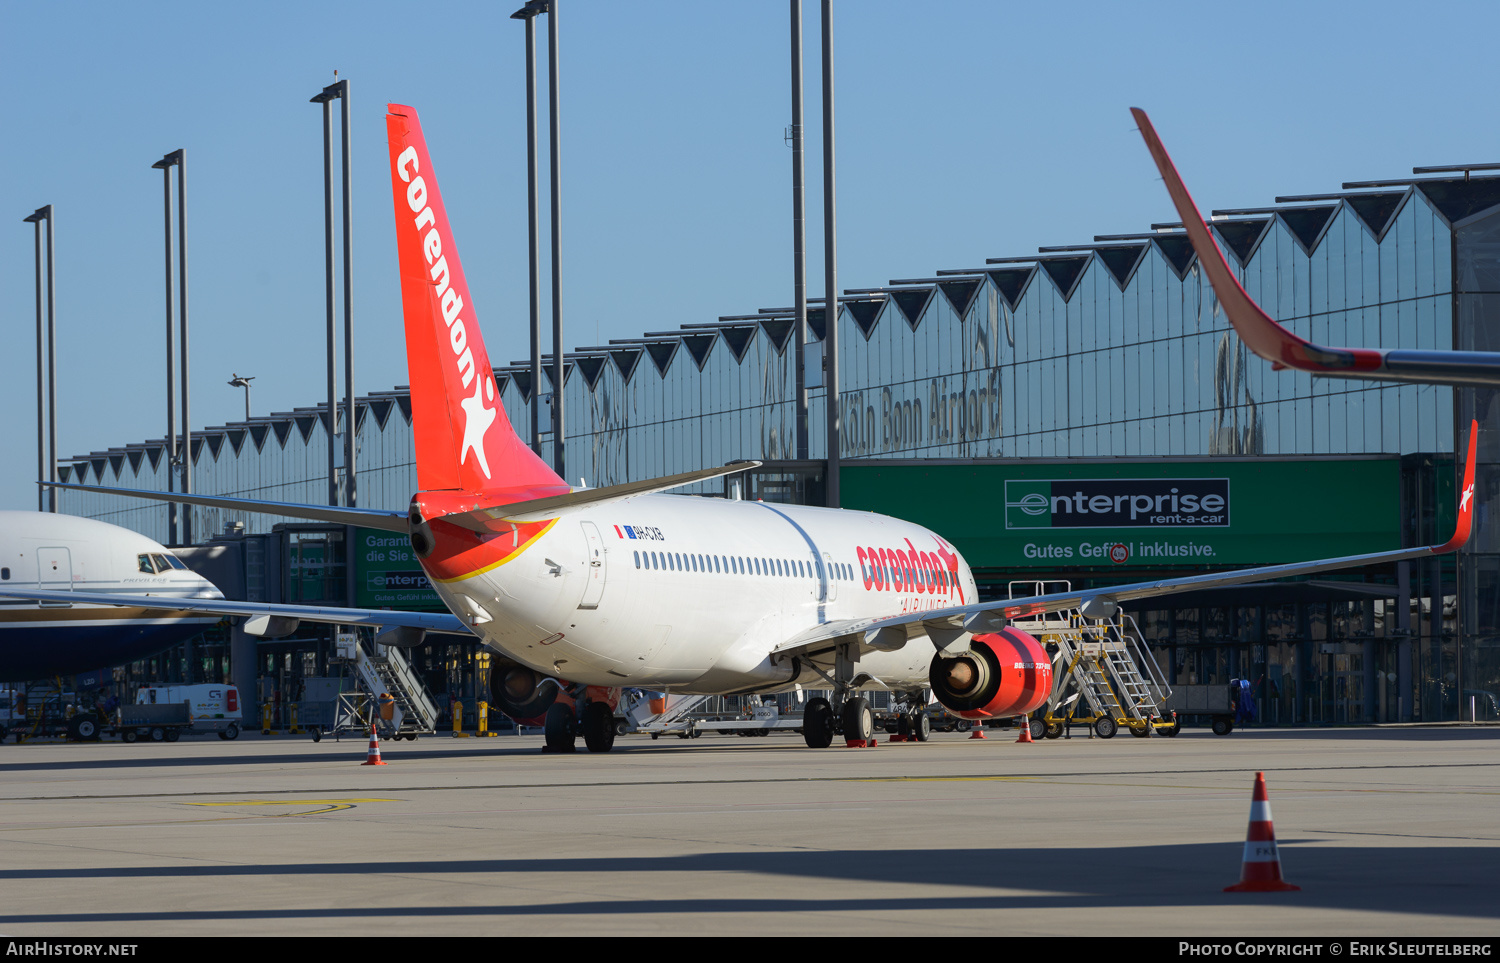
(1465,523)
(1256,328)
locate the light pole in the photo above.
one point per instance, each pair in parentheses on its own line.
(182,454)
(830,268)
(243,381)
(339,91)
(557,316)
(46,449)
(529,14)
(799,233)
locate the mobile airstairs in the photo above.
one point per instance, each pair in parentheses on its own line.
(1103,674)
(391,696)
(678,717)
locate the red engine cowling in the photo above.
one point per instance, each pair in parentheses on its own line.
(1007,673)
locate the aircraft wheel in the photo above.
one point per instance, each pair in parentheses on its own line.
(173,735)
(1053,730)
(1105,727)
(921,726)
(817,723)
(1038,728)
(598,727)
(859,720)
(558,729)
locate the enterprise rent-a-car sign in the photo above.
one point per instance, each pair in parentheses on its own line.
(387,574)
(1218,511)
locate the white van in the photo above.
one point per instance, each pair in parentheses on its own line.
(209,708)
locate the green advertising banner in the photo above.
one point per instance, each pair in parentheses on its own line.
(387,575)
(1059,514)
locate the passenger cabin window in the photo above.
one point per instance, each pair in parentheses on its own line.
(4,575)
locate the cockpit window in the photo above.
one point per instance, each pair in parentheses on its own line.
(175,562)
(161,563)
(143,562)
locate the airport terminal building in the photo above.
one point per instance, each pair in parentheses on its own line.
(1083,413)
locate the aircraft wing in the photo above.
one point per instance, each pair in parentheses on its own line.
(440,622)
(953,626)
(1284,349)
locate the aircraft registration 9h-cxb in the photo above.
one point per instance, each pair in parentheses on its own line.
(623,586)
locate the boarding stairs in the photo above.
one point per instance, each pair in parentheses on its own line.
(387,671)
(1104,661)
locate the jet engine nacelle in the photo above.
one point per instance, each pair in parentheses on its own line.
(1006,673)
(518,692)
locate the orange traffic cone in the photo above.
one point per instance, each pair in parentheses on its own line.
(373,757)
(1025,730)
(1260,871)
(978,732)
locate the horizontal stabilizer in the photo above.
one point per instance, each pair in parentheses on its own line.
(364,517)
(541,509)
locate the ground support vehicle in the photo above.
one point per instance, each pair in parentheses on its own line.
(1214,701)
(388,695)
(1103,675)
(679,717)
(45,710)
(170,711)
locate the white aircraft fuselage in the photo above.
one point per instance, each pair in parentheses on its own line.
(65,553)
(691,594)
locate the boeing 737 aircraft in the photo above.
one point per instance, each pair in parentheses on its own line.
(1283,348)
(65,554)
(621,586)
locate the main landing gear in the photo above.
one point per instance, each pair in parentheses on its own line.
(848,714)
(564,724)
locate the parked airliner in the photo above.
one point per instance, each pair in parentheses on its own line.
(66,554)
(622,586)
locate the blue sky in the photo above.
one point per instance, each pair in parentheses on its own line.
(966,130)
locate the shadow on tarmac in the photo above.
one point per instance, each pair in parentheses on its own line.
(1440,881)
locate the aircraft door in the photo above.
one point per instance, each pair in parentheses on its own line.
(594,587)
(832,592)
(54,571)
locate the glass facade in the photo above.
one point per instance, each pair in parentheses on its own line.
(1111,349)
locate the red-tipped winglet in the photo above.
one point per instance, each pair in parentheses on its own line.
(1465,500)
(1256,328)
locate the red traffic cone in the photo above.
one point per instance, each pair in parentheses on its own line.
(978,732)
(373,757)
(1025,731)
(1260,871)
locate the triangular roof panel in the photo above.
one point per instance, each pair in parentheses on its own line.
(1011,283)
(739,337)
(502,381)
(626,360)
(1308,225)
(215,442)
(99,464)
(1458,199)
(592,367)
(134,455)
(699,345)
(523,385)
(567,372)
(913,304)
(867,313)
(283,428)
(1122,262)
(960,293)
(236,439)
(153,452)
(258,432)
(197,447)
(117,462)
(1377,212)
(1243,237)
(1178,250)
(305,423)
(1066,272)
(662,353)
(65,472)
(403,403)
(815,322)
(779,330)
(381,408)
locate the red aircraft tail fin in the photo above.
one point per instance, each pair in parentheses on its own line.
(463,438)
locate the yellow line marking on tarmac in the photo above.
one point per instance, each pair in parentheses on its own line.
(330,805)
